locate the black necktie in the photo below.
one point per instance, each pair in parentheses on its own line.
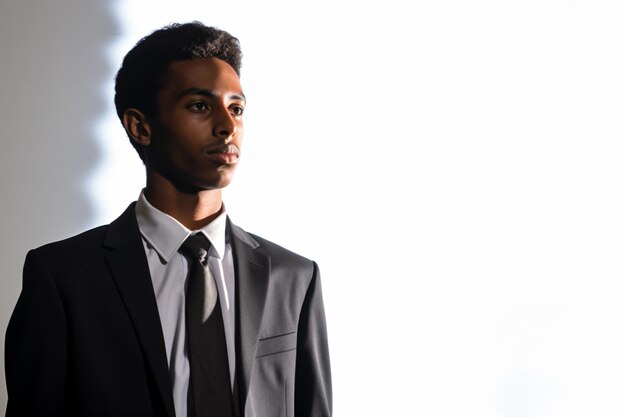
(209,383)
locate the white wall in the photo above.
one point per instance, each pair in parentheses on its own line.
(456,168)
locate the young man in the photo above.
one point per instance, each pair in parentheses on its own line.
(172,310)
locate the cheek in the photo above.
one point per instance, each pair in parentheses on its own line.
(186,141)
(240,132)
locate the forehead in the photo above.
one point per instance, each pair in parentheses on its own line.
(207,73)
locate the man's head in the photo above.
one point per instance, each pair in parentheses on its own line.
(179,98)
(143,71)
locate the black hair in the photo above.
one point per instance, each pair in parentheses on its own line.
(143,70)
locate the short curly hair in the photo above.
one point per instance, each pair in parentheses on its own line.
(142,74)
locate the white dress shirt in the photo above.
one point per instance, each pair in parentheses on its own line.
(162,236)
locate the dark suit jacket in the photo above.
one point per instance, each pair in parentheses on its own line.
(85,337)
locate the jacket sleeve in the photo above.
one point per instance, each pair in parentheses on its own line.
(313,389)
(35,345)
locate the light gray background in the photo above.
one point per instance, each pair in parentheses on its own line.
(456,168)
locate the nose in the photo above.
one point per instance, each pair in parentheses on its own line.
(225,126)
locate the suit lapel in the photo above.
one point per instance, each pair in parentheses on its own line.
(252,270)
(129,267)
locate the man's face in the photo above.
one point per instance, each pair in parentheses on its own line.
(197,132)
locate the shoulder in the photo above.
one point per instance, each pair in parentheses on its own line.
(91,244)
(279,251)
(76,249)
(279,255)
(78,243)
(89,237)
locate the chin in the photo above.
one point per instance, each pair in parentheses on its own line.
(216,185)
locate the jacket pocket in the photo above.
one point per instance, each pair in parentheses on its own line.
(276,344)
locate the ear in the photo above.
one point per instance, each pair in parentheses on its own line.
(137,127)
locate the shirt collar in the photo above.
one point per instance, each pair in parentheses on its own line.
(165,234)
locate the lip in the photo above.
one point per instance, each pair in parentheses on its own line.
(224,155)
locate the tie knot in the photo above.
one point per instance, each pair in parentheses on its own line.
(196,247)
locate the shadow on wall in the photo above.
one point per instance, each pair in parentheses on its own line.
(52,66)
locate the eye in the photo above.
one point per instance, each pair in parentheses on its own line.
(198,107)
(237,110)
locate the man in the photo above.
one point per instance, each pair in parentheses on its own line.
(172,310)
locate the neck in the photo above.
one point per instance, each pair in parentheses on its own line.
(193,210)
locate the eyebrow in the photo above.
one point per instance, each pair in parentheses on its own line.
(208,93)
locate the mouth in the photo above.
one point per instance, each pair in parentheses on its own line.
(224,155)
